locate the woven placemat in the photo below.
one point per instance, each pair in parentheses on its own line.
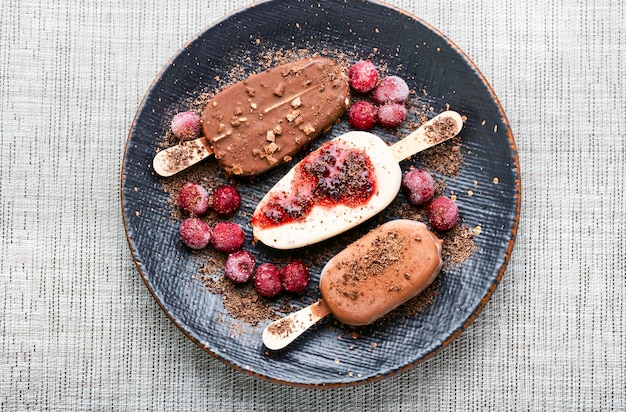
(80,331)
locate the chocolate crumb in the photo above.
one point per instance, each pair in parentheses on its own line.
(279,90)
(384,252)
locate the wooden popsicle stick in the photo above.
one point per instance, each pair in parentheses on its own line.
(443,127)
(282,332)
(437,130)
(174,159)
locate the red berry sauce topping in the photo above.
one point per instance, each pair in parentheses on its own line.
(240,266)
(225,200)
(418,186)
(195,233)
(443,214)
(193,198)
(333,175)
(295,276)
(267,280)
(362,115)
(227,237)
(363,76)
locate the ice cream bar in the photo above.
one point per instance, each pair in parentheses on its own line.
(340,185)
(380,271)
(369,278)
(262,121)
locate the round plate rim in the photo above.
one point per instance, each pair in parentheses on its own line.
(455,333)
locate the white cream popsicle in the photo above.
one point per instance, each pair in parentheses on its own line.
(342,184)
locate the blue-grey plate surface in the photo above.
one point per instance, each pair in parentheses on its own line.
(353,29)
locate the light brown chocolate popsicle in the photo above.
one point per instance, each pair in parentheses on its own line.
(381,271)
(262,121)
(368,279)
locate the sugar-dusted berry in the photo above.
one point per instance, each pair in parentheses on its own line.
(227,237)
(363,76)
(295,276)
(391,115)
(443,213)
(362,115)
(193,198)
(267,280)
(186,125)
(225,200)
(391,89)
(240,266)
(419,186)
(195,233)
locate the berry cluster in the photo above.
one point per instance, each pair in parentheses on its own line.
(268,279)
(229,237)
(195,199)
(389,96)
(419,187)
(195,232)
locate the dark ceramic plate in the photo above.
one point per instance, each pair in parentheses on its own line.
(356,29)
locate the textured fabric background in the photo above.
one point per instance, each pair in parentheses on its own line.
(79,330)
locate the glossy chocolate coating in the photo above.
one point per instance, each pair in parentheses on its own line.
(264,120)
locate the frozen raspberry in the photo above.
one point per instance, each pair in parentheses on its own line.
(240,266)
(391,89)
(227,237)
(362,115)
(195,233)
(418,186)
(363,76)
(295,276)
(391,115)
(186,125)
(225,200)
(443,213)
(267,280)
(193,198)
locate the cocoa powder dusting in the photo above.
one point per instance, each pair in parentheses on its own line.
(458,245)
(241,301)
(385,251)
(445,158)
(283,327)
(413,307)
(441,129)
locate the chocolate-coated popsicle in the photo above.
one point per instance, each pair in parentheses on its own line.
(369,278)
(262,121)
